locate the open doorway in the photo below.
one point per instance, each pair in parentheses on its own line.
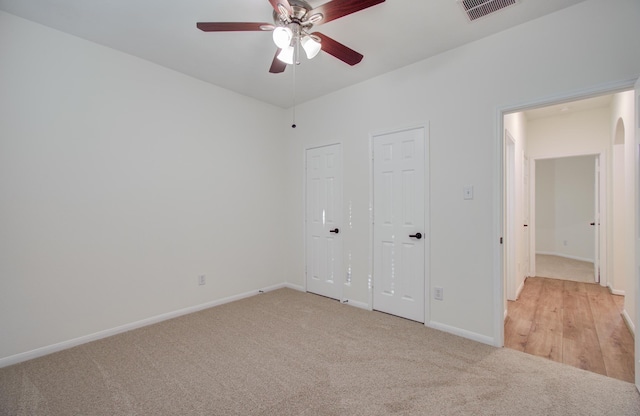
(567,218)
(584,324)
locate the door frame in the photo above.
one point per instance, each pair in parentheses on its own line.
(636,251)
(600,259)
(498,182)
(304,224)
(427,215)
(510,219)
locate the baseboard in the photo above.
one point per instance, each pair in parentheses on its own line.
(356,304)
(299,288)
(462,333)
(629,322)
(615,291)
(566,256)
(49,349)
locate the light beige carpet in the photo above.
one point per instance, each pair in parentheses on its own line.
(291,353)
(557,267)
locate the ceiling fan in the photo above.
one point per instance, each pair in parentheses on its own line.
(292,22)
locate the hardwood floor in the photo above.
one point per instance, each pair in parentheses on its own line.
(578,324)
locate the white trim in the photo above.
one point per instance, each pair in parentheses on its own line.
(519,290)
(562,155)
(615,291)
(49,349)
(304,218)
(463,333)
(509,206)
(630,325)
(532,217)
(371,248)
(566,256)
(636,242)
(603,219)
(499,290)
(574,95)
(299,288)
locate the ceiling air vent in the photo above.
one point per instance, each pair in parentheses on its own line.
(476,9)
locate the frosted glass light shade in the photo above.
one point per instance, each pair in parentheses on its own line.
(286,55)
(310,46)
(282,37)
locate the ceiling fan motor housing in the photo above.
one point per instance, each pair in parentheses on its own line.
(299,15)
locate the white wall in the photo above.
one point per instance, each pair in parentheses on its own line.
(116,183)
(622,108)
(545,205)
(120,183)
(565,207)
(578,133)
(618,221)
(460,93)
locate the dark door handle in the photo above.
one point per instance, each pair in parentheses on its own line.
(593,223)
(526,225)
(416,235)
(334,231)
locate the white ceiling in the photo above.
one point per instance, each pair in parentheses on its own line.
(390,35)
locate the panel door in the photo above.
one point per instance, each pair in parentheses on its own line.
(399,232)
(323,221)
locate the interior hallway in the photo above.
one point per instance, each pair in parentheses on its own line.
(575,323)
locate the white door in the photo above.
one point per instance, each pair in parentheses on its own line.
(400,235)
(323,221)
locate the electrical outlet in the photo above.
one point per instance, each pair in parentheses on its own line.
(438,293)
(467,192)
(202,280)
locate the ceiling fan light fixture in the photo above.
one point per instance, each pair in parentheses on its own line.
(286,55)
(311,46)
(282,37)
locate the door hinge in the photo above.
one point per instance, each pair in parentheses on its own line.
(500,240)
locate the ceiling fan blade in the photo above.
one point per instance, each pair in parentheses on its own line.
(284,4)
(339,8)
(233,26)
(277,66)
(338,50)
